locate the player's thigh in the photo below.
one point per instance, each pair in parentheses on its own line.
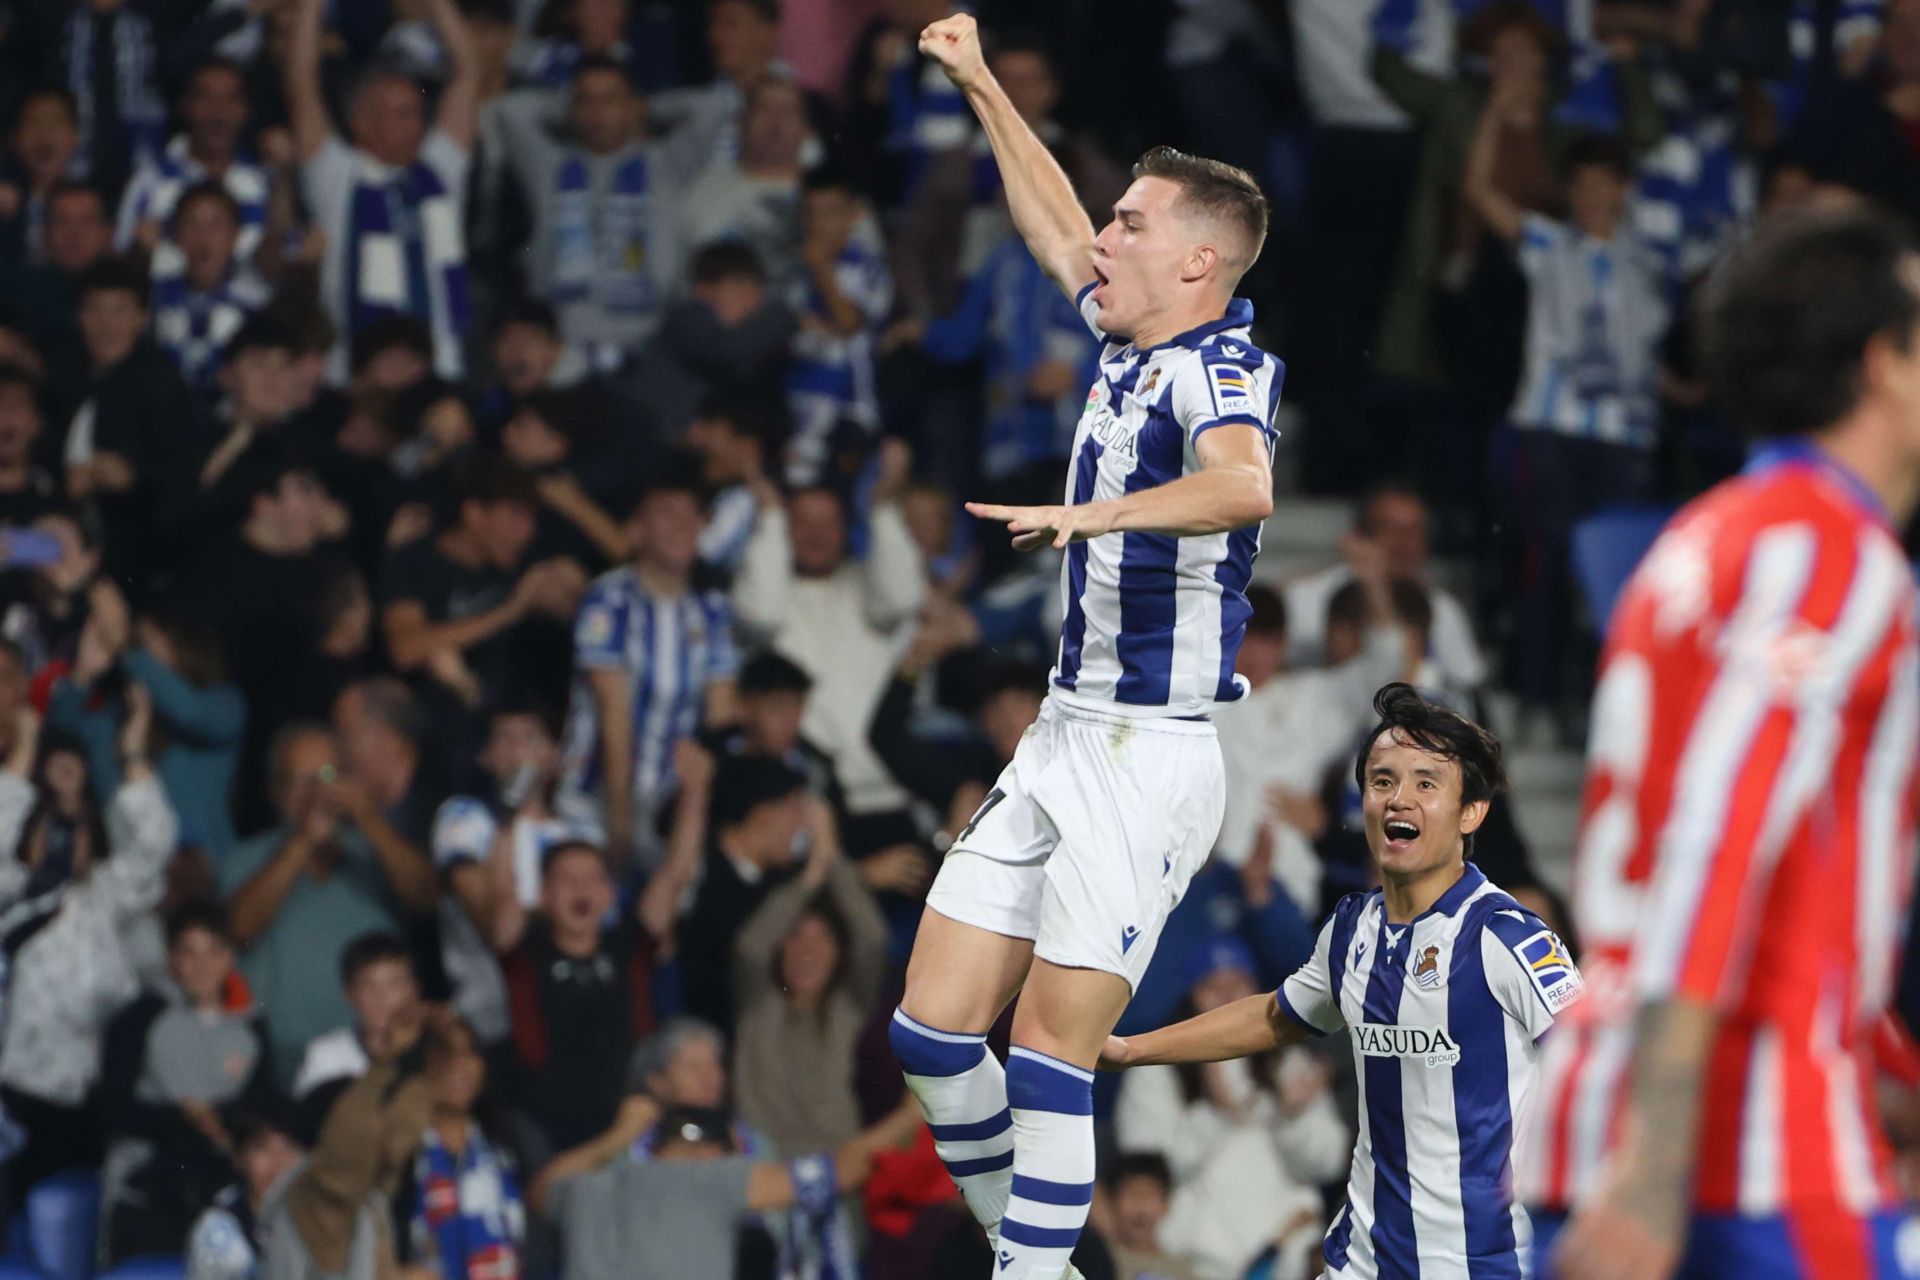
(1138,810)
(1068,1013)
(961,976)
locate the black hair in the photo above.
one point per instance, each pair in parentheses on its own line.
(1440,731)
(1215,189)
(262,1117)
(78,186)
(1598,150)
(1010,677)
(214,192)
(551,855)
(827,177)
(772,673)
(533,708)
(1412,606)
(532,313)
(1391,487)
(593,62)
(388,331)
(113,274)
(258,332)
(1785,320)
(57,93)
(726,260)
(744,783)
(260,470)
(199,654)
(493,481)
(215,63)
(1140,1164)
(198,913)
(675,471)
(1269,611)
(373,947)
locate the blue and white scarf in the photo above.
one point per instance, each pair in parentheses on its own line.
(142,113)
(467,1219)
(160,182)
(407,254)
(600,246)
(194,328)
(819,1243)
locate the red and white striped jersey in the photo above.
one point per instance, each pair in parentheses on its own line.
(1746,840)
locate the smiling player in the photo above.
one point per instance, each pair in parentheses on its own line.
(1447,985)
(1060,886)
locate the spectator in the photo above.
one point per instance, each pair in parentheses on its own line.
(134,405)
(303,890)
(568,35)
(27,491)
(683,1064)
(461,1202)
(1247,1141)
(1585,418)
(704,119)
(41,152)
(107,52)
(47,612)
(605,210)
(800,592)
(255,377)
(754,199)
(760,810)
(654,659)
(736,440)
(773,703)
(731,335)
(494,841)
(1855,128)
(1394,517)
(336,1217)
(679,1213)
(71,977)
(198,309)
(226,1242)
(177,1063)
(211,151)
(459,607)
(385,748)
(807,967)
(549,438)
(200,714)
(394,195)
(377,978)
(1139,1188)
(580,989)
(528,355)
(1297,725)
(45,294)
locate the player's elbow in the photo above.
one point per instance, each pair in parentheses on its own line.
(1253,496)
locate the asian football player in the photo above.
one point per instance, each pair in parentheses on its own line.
(1059,887)
(1447,987)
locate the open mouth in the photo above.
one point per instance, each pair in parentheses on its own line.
(1100,281)
(1400,833)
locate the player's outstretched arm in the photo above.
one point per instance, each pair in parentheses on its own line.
(1238,1030)
(1041,199)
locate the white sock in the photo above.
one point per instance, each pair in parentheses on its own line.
(963,1093)
(1052,1105)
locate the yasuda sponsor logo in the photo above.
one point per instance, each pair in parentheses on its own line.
(1429,1046)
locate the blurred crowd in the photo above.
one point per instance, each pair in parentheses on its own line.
(491,653)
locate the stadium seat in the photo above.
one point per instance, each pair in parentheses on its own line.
(63,1215)
(1606,547)
(148,1269)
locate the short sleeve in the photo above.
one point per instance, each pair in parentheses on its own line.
(1308,996)
(1528,969)
(463,831)
(447,158)
(1223,384)
(600,629)
(328,177)
(1540,239)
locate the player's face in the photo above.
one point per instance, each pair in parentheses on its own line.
(1141,256)
(1415,820)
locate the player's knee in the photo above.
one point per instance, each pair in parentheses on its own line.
(928,1051)
(1040,1082)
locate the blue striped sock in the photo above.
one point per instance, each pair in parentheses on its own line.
(963,1092)
(1052,1104)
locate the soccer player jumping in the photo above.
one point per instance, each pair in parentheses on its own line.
(1059,887)
(1447,986)
(1746,846)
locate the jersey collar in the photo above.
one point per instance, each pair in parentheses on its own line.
(1239,315)
(1447,903)
(1802,452)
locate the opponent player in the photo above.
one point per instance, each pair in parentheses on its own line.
(1447,985)
(1746,844)
(1059,887)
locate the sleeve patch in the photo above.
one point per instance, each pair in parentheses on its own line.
(1233,389)
(1548,965)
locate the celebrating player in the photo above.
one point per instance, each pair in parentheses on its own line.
(1059,887)
(1447,985)
(1745,849)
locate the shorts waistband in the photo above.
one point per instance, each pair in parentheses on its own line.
(1078,710)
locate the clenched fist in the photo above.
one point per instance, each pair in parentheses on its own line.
(955,44)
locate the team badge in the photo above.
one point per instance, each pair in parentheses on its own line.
(1426,970)
(1232,387)
(1147,387)
(1545,957)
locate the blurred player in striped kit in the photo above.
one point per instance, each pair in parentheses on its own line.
(1745,854)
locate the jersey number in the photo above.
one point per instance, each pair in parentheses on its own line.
(994,797)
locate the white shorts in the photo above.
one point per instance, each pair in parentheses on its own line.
(1089,838)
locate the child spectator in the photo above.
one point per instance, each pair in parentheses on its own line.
(177,1064)
(199,308)
(1139,1187)
(378,982)
(226,1241)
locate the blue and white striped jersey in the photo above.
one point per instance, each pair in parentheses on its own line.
(670,650)
(1154,622)
(1446,1015)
